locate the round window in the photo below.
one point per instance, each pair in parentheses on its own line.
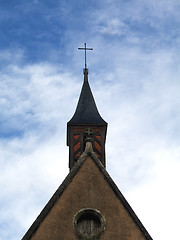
(89,223)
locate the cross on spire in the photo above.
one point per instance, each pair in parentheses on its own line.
(85,48)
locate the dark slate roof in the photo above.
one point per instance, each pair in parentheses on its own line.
(86,111)
(65,184)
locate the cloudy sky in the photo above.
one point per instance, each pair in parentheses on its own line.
(134,73)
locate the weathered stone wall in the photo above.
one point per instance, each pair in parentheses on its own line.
(88,189)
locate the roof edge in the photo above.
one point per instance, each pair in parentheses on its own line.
(53,200)
(121,197)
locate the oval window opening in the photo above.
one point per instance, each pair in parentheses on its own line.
(89,223)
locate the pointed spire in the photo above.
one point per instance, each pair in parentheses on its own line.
(86,111)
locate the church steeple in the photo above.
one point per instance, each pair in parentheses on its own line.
(86,125)
(78,209)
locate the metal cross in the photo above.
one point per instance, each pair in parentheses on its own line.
(88,131)
(88,135)
(85,48)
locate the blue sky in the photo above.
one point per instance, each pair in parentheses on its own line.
(134,73)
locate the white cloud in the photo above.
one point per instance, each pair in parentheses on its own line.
(141,23)
(114,27)
(29,179)
(34,163)
(159,198)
